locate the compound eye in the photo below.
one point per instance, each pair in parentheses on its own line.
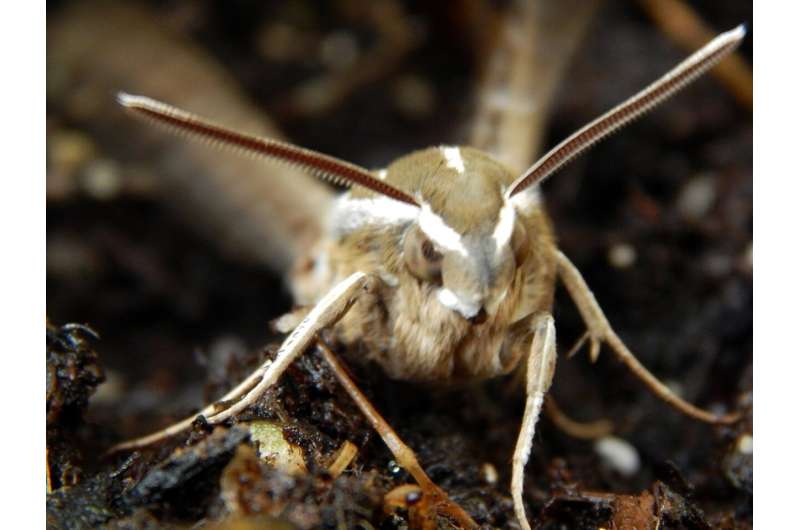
(429,252)
(421,256)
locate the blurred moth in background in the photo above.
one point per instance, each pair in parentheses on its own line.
(442,268)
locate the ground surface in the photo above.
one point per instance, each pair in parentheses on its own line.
(659,220)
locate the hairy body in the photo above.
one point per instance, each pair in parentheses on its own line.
(404,326)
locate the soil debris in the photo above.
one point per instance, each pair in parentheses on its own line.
(73,374)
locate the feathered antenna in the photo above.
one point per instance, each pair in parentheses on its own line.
(323,166)
(659,91)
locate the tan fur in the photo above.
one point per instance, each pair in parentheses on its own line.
(426,174)
(404,327)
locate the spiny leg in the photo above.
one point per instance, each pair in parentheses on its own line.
(405,455)
(600,331)
(541,367)
(327,312)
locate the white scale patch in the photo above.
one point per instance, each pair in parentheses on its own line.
(450,300)
(527,200)
(438,231)
(350,214)
(453,157)
(505,225)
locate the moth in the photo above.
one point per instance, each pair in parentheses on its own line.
(441,267)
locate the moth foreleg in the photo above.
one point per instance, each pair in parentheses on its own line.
(327,312)
(600,331)
(540,370)
(436,498)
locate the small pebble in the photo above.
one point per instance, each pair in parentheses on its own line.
(489,473)
(101,179)
(394,469)
(618,454)
(621,255)
(697,197)
(745,444)
(738,463)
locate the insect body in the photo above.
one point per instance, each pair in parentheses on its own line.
(442,267)
(456,272)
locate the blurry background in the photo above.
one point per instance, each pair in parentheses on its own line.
(152,242)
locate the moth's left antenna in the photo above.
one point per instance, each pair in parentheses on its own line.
(323,166)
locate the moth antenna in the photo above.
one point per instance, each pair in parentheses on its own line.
(323,166)
(616,118)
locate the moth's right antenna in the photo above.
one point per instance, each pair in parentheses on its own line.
(674,80)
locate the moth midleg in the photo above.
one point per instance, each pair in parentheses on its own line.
(327,312)
(601,332)
(404,455)
(540,370)
(582,430)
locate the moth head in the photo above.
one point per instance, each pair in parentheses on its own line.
(467,240)
(471,281)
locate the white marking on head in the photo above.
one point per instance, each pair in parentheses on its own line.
(505,226)
(527,200)
(350,214)
(450,300)
(437,230)
(453,157)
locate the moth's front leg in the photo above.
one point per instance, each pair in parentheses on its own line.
(435,500)
(327,312)
(540,370)
(600,331)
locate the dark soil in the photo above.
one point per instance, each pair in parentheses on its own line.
(174,320)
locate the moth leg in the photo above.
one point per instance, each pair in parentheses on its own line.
(588,430)
(433,494)
(540,370)
(600,331)
(327,312)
